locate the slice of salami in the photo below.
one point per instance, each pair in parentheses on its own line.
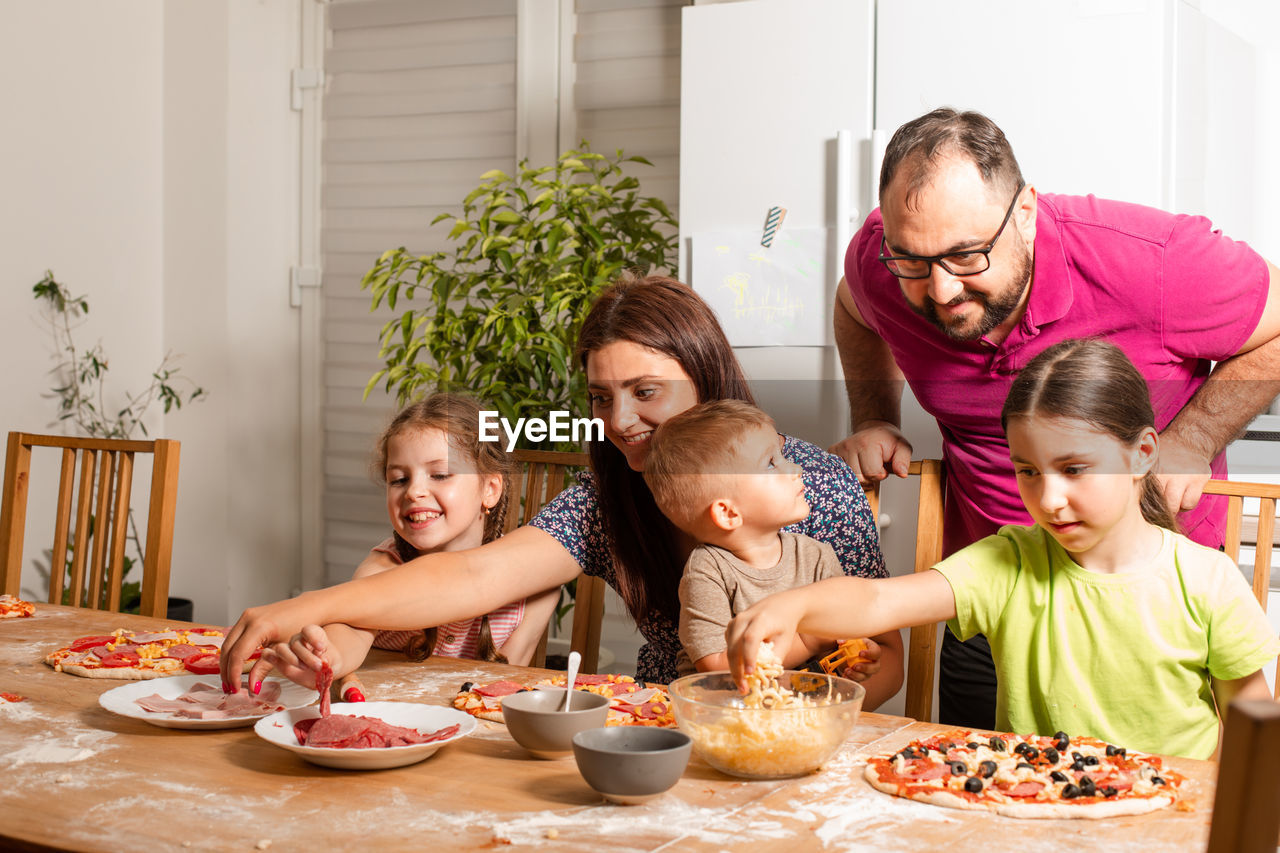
(499,688)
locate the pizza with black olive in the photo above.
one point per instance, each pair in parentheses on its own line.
(1027,776)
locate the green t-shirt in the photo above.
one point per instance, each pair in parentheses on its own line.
(1128,657)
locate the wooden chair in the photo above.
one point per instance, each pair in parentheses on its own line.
(102,490)
(922,645)
(1246,807)
(539,477)
(1246,530)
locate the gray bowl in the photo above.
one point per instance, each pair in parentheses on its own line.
(536,721)
(631,764)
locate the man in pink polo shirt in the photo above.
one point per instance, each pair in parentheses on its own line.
(966,272)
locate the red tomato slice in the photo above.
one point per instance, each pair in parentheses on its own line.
(205,664)
(84,643)
(120,659)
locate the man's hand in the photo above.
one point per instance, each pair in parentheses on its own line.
(1182,473)
(875,450)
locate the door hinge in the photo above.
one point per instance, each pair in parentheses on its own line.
(300,79)
(300,277)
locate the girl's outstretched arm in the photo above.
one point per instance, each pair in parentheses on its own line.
(298,660)
(839,607)
(432,590)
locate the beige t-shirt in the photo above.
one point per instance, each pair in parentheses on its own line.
(717,586)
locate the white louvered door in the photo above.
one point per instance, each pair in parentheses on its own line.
(421,98)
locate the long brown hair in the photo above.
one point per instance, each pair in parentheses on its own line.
(668,317)
(1093,381)
(458,417)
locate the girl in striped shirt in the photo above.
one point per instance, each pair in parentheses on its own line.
(446,491)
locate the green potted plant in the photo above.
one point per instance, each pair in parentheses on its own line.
(82,400)
(498,315)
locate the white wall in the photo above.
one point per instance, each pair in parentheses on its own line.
(150,159)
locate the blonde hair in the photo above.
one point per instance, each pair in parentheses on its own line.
(689,449)
(458,417)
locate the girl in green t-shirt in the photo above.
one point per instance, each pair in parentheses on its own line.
(1103,620)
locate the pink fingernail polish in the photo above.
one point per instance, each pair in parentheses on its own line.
(226,688)
(257,688)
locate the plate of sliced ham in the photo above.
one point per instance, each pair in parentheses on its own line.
(197,702)
(366,735)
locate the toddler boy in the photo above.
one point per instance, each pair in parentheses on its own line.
(718,473)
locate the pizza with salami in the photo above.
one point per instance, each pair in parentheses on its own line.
(137,655)
(12,607)
(1028,776)
(630,703)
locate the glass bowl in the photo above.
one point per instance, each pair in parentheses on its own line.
(766,743)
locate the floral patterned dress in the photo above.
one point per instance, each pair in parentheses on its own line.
(838,515)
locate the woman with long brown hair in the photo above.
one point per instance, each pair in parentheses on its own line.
(651,348)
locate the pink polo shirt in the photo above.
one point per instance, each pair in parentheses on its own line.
(1169,290)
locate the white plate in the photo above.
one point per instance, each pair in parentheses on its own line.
(278,729)
(121,700)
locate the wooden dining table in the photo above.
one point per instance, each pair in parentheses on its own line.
(78,777)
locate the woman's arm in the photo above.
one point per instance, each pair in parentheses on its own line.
(432,590)
(523,642)
(843,607)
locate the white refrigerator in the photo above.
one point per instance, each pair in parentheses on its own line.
(788,104)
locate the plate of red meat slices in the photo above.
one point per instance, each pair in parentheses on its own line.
(366,735)
(197,702)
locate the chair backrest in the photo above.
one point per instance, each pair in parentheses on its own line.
(1246,807)
(1260,532)
(540,476)
(98,474)
(922,645)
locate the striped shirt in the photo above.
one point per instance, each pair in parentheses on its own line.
(456,639)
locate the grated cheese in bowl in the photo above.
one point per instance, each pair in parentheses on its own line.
(789,723)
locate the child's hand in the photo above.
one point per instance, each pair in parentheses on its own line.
(300,659)
(773,619)
(867,665)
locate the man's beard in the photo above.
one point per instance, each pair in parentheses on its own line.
(996,308)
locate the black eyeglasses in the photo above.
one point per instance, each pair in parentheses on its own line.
(970,262)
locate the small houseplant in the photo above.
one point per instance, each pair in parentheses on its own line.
(498,315)
(82,398)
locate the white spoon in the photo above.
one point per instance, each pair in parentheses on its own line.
(574,660)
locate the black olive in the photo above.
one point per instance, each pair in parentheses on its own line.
(1077,765)
(922,751)
(907,753)
(1077,756)
(1061,741)
(973,784)
(1108,791)
(1031,754)
(972,745)
(1022,764)
(1070,792)
(988,769)
(997,744)
(958,768)
(1050,755)
(1087,786)
(1157,780)
(466,685)
(1091,760)
(1113,751)
(946,746)
(1020,749)
(1059,776)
